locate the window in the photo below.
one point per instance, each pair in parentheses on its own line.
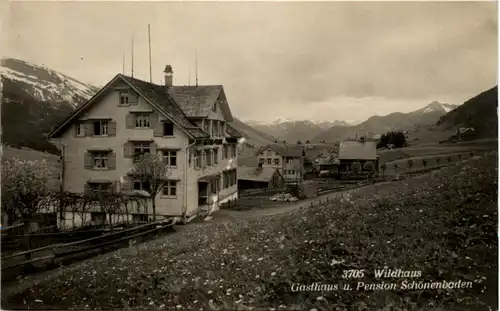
(141,185)
(206,126)
(123,98)
(276,161)
(214,128)
(198,158)
(208,157)
(99,160)
(168,129)
(233,151)
(262,160)
(216,156)
(292,172)
(80,129)
(226,151)
(96,188)
(170,158)
(98,217)
(288,160)
(170,188)
(269,153)
(141,148)
(100,128)
(214,107)
(269,161)
(142,120)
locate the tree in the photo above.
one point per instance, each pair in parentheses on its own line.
(396,138)
(356,167)
(308,141)
(299,142)
(424,163)
(369,166)
(410,164)
(383,168)
(24,186)
(152,171)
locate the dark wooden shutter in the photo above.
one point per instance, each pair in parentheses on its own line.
(128,150)
(156,125)
(112,128)
(87,160)
(112,161)
(89,128)
(130,121)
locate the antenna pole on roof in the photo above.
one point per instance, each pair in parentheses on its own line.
(132,56)
(196,66)
(149,41)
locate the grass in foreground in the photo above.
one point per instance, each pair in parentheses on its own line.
(442,223)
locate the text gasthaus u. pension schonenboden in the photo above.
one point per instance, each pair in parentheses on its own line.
(402,285)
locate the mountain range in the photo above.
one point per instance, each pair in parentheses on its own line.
(330,131)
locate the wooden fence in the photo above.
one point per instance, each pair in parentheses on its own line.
(48,256)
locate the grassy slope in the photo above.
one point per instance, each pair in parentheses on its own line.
(442,223)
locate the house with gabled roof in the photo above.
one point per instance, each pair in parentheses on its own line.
(187,125)
(289,159)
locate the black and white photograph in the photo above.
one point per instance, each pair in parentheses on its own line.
(249,155)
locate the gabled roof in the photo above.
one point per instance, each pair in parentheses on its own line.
(198,101)
(264,174)
(354,150)
(232,132)
(285,150)
(153,94)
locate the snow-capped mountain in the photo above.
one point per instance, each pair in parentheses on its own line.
(436,106)
(34,100)
(44,84)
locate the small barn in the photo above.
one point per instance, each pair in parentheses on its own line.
(357,151)
(259,178)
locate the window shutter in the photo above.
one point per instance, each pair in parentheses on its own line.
(128,150)
(130,121)
(156,125)
(112,161)
(133,99)
(153,147)
(112,128)
(89,129)
(87,160)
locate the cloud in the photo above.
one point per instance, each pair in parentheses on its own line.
(275,58)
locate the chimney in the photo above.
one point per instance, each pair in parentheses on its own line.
(169,75)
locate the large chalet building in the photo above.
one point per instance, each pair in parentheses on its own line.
(187,125)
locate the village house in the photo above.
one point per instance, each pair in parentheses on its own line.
(357,151)
(259,178)
(187,125)
(288,159)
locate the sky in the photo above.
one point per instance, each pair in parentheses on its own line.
(294,60)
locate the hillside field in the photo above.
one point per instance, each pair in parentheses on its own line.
(442,224)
